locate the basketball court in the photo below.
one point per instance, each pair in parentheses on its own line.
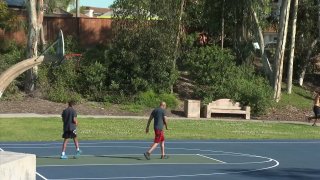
(187,160)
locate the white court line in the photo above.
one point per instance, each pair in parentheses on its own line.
(171,142)
(124,164)
(44,178)
(187,149)
(115,155)
(176,176)
(146,164)
(140,147)
(210,158)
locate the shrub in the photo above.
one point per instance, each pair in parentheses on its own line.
(92,80)
(72,45)
(10,54)
(151,99)
(117,98)
(59,83)
(85,78)
(217,76)
(141,57)
(60,94)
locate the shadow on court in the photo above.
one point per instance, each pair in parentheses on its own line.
(280,173)
(48,157)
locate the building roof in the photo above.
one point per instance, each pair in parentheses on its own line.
(270,29)
(58,12)
(107,15)
(15,3)
(81,15)
(98,11)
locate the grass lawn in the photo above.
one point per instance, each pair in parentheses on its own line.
(50,129)
(300,99)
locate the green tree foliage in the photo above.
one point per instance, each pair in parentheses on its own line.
(4,14)
(141,55)
(10,54)
(217,76)
(307,32)
(207,15)
(8,20)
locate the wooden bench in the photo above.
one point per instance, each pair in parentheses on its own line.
(226,106)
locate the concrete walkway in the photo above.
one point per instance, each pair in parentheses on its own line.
(34,115)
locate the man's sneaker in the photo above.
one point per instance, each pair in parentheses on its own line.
(165,157)
(78,153)
(63,157)
(147,155)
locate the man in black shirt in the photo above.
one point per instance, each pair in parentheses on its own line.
(70,122)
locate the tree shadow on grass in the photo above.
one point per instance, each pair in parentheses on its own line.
(304,96)
(178,113)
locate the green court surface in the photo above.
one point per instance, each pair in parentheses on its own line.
(125,159)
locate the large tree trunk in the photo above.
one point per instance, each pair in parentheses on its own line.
(318,2)
(266,64)
(279,56)
(32,44)
(307,63)
(293,40)
(40,25)
(222,24)
(35,18)
(313,44)
(77,8)
(176,50)
(40,37)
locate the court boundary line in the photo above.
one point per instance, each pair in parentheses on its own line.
(176,176)
(141,154)
(141,164)
(210,158)
(44,178)
(190,175)
(132,164)
(187,149)
(144,164)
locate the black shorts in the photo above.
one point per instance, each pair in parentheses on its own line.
(316,110)
(69,134)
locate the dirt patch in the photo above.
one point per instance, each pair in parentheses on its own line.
(287,114)
(41,106)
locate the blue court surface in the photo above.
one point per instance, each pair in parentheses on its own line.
(244,160)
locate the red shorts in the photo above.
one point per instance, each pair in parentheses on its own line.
(158,136)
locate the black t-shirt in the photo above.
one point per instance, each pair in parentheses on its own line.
(158,114)
(68,116)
